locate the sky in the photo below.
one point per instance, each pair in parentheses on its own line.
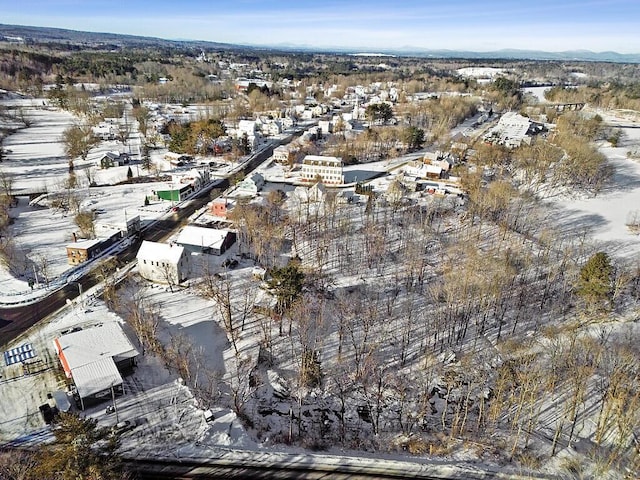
(363,25)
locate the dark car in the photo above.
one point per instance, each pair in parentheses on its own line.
(230,263)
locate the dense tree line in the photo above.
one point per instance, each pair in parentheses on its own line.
(195,137)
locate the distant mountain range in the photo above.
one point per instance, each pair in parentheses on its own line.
(30,34)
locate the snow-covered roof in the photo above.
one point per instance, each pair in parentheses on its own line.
(320,159)
(88,355)
(512,128)
(160,251)
(91,344)
(96,377)
(85,244)
(422,170)
(202,237)
(115,155)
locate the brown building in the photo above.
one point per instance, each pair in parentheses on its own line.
(84,250)
(79,252)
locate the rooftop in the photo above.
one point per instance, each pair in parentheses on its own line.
(88,356)
(203,237)
(160,251)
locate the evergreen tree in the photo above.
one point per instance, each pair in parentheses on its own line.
(146,158)
(286,283)
(594,284)
(379,112)
(81,450)
(129,173)
(413,137)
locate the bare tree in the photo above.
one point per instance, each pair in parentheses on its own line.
(78,140)
(86,222)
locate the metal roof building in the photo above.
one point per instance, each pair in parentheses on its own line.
(93,356)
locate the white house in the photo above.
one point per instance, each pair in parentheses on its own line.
(288,122)
(270,127)
(163,263)
(247,126)
(283,154)
(327,169)
(314,194)
(251,185)
(423,170)
(326,126)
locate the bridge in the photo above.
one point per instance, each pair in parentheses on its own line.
(563,107)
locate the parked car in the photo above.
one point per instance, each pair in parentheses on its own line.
(121,427)
(230,263)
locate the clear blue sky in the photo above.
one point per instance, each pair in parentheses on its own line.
(478,25)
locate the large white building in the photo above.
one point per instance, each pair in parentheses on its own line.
(512,130)
(163,263)
(327,169)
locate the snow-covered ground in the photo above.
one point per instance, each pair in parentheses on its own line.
(36,163)
(603,217)
(537,93)
(480,72)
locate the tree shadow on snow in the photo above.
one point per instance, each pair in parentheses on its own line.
(625,177)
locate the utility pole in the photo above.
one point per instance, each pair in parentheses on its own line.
(113,399)
(35,273)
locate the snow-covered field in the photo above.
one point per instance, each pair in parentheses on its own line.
(603,218)
(36,163)
(537,93)
(480,72)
